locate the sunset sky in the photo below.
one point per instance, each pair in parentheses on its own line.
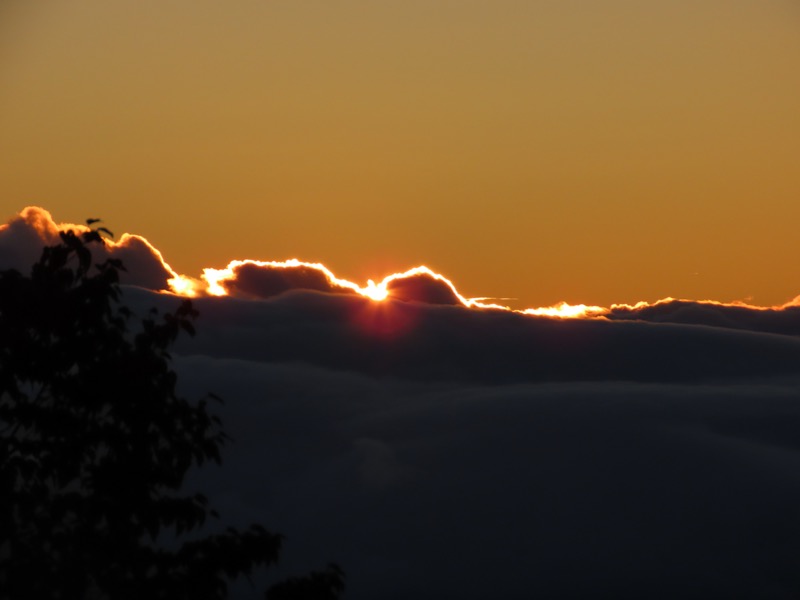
(588,151)
(528,152)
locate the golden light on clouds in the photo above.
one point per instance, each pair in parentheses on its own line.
(24,236)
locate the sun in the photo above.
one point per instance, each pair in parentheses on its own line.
(374,291)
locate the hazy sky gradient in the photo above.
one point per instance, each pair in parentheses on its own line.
(594,152)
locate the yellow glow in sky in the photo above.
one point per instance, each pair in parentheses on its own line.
(590,152)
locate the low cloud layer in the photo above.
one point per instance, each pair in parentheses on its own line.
(440,451)
(435,490)
(414,443)
(781,320)
(454,343)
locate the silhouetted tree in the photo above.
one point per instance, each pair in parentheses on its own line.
(95,444)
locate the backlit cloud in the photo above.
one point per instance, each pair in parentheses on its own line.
(264,279)
(24,236)
(255,279)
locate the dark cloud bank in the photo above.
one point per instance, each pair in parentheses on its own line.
(439,452)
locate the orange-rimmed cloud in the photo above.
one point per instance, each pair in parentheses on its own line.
(24,236)
(264,279)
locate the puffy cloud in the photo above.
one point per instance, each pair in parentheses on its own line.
(145,267)
(25,235)
(265,279)
(423,287)
(255,279)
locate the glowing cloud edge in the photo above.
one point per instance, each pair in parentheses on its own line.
(212,280)
(212,284)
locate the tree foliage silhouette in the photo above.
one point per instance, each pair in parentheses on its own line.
(95,444)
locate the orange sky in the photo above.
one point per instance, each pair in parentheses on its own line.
(593,152)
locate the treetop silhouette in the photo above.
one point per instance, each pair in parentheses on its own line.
(95,444)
